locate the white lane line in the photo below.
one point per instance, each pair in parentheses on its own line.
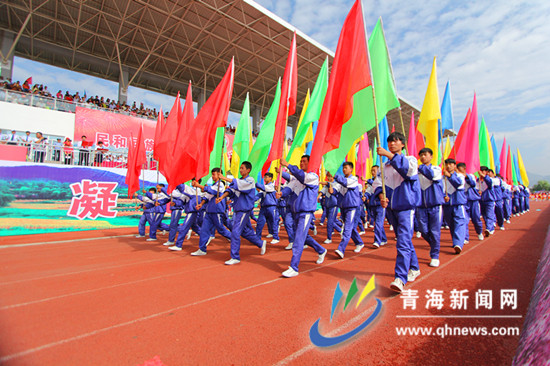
(152,316)
(362,316)
(61,241)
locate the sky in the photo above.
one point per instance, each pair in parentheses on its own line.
(497,49)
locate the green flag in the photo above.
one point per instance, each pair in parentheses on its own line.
(241,143)
(216,154)
(484,157)
(514,175)
(260,150)
(363,119)
(313,111)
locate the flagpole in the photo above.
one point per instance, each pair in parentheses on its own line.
(279,175)
(221,161)
(443,158)
(375,111)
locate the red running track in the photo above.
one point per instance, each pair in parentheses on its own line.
(107,298)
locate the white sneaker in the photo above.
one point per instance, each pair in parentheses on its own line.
(321,258)
(198,252)
(411,276)
(290,273)
(492,232)
(339,253)
(502,228)
(397,285)
(269,236)
(168,243)
(321,224)
(361,233)
(274,241)
(232,261)
(264,246)
(434,262)
(447,227)
(306,246)
(391,229)
(209,240)
(480,237)
(457,249)
(151,239)
(466,242)
(383,243)
(418,234)
(164,232)
(140,236)
(289,246)
(328,241)
(371,226)
(376,245)
(188,235)
(175,247)
(507,221)
(358,248)
(314,230)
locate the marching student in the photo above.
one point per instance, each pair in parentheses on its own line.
(497,188)
(161,200)
(366,197)
(506,199)
(176,206)
(472,207)
(148,206)
(428,214)
(361,210)
(268,209)
(403,196)
(304,187)
(323,201)
(487,200)
(214,211)
(331,207)
(350,190)
(242,192)
(453,208)
(378,212)
(526,197)
(192,197)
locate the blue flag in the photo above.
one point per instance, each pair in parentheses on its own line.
(496,156)
(446,121)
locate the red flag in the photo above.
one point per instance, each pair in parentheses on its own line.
(350,74)
(504,162)
(509,173)
(168,138)
(460,136)
(194,159)
(136,158)
(287,106)
(392,128)
(158,134)
(186,124)
(28,81)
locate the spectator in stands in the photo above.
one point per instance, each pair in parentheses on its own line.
(12,138)
(99,150)
(57,150)
(27,139)
(68,97)
(83,151)
(68,151)
(39,147)
(59,95)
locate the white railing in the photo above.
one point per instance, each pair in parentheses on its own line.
(55,104)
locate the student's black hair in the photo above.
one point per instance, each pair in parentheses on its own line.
(216,170)
(461,165)
(247,165)
(152,189)
(450,161)
(162,185)
(483,168)
(83,136)
(491,171)
(500,176)
(199,181)
(375,166)
(268,174)
(396,136)
(306,156)
(348,163)
(426,150)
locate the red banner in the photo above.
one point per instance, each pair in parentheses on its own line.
(111,128)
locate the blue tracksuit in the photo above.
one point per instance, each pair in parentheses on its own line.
(404,195)
(190,196)
(148,206)
(331,207)
(473,208)
(323,202)
(268,211)
(486,186)
(350,190)
(302,190)
(213,216)
(378,215)
(507,200)
(499,203)
(177,210)
(163,199)
(242,192)
(285,212)
(453,210)
(152,214)
(429,212)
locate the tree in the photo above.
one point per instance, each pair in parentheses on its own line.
(541,185)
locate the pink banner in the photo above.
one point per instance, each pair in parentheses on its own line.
(113,129)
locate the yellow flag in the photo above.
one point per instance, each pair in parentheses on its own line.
(430,114)
(322,174)
(522,171)
(300,150)
(447,149)
(352,155)
(491,155)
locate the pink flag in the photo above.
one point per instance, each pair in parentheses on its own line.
(461,135)
(411,143)
(469,149)
(504,162)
